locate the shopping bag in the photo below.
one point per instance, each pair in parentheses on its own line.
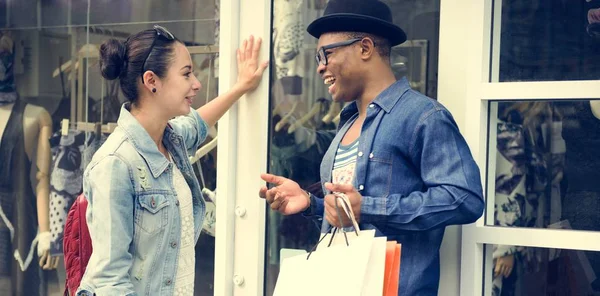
(392,268)
(342,263)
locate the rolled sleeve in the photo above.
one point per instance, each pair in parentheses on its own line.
(109,215)
(192,128)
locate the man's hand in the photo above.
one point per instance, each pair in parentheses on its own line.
(504,265)
(354,197)
(286,197)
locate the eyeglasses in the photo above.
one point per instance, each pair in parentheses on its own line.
(160,31)
(321,55)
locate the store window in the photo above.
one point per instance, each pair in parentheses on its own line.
(544,163)
(546,40)
(540,271)
(303,116)
(49,74)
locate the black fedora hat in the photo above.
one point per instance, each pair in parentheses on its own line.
(368,16)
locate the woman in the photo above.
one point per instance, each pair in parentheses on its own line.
(145,206)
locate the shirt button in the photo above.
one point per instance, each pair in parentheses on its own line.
(177,203)
(361,187)
(173,245)
(371,155)
(360,153)
(372,105)
(168,282)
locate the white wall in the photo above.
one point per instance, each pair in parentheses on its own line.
(452,90)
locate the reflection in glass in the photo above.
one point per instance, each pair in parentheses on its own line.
(54,61)
(539,271)
(303,117)
(564,47)
(545,162)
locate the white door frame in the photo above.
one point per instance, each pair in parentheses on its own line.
(479,36)
(242,157)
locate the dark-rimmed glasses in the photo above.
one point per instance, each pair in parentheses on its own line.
(321,56)
(160,31)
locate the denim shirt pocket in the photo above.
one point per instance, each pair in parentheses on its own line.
(379,173)
(152,215)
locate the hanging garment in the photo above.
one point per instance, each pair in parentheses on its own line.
(510,194)
(288,37)
(18,212)
(70,155)
(8,92)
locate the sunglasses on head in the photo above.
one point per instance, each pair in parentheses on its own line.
(160,32)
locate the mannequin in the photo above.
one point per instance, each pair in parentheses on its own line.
(35,124)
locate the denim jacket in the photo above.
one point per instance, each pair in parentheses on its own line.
(133,215)
(416,175)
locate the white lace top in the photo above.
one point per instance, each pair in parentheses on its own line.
(184,281)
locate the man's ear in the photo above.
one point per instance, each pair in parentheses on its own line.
(367,47)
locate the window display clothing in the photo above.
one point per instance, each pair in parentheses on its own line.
(510,197)
(288,37)
(8,92)
(70,155)
(133,213)
(408,154)
(18,212)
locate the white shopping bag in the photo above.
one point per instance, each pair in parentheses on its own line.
(344,263)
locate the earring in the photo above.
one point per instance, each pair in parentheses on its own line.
(153,90)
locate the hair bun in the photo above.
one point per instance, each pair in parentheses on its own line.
(112,58)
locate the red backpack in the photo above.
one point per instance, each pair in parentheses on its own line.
(77,245)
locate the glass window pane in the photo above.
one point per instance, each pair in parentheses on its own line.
(544,160)
(54,75)
(62,13)
(133,11)
(304,118)
(546,41)
(33,13)
(516,270)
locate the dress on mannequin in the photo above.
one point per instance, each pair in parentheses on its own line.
(24,163)
(18,226)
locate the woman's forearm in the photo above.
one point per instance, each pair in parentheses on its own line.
(214,110)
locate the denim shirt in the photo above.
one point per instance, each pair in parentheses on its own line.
(133,214)
(416,175)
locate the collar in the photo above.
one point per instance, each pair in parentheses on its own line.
(142,141)
(386,100)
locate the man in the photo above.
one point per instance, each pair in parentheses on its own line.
(398,155)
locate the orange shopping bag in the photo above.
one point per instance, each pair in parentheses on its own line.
(392,269)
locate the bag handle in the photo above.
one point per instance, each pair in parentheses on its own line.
(345,205)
